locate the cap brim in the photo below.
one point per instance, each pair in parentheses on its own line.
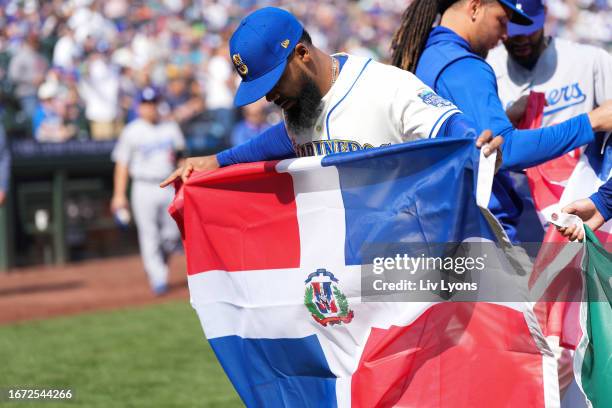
(538,23)
(252,91)
(518,16)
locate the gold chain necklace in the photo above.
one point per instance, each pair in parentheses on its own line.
(335,64)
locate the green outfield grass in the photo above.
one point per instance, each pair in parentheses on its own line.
(154,356)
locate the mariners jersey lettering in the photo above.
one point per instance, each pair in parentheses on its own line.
(574,77)
(148,149)
(372,105)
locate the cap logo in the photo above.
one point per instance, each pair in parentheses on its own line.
(240,66)
(519,6)
(285,43)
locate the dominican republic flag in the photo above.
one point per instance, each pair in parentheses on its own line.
(275,253)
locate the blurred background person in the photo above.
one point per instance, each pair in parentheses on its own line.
(27,71)
(146,152)
(48,122)
(99,88)
(254,122)
(220,86)
(66,53)
(185,100)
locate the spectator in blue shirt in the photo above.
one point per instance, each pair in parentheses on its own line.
(449,58)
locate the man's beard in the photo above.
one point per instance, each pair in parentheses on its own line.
(307,108)
(528,61)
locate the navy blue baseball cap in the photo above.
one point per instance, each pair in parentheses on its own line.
(518,15)
(149,94)
(259,49)
(537,13)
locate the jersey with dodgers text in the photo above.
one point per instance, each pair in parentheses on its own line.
(575,78)
(149,149)
(371,105)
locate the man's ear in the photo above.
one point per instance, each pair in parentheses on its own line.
(303,52)
(474,7)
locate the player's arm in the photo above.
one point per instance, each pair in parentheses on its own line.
(522,148)
(120,182)
(460,125)
(121,156)
(603,200)
(272,144)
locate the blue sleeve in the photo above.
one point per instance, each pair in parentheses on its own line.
(458,125)
(603,200)
(479,101)
(273,143)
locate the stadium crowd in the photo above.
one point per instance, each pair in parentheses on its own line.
(70,69)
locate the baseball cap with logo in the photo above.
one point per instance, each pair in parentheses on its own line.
(536,12)
(259,49)
(149,95)
(518,15)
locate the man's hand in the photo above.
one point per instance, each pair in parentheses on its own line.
(2,197)
(586,210)
(118,202)
(517,110)
(193,163)
(489,144)
(601,117)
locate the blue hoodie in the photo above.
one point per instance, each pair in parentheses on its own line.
(450,67)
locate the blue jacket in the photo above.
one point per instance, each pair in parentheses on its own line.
(455,72)
(603,200)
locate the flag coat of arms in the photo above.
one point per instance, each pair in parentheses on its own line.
(275,252)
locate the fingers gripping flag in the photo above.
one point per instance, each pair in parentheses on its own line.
(275,253)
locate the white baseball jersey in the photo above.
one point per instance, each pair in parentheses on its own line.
(148,149)
(574,77)
(371,105)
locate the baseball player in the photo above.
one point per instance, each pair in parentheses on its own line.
(330,104)
(575,78)
(146,152)
(529,60)
(449,56)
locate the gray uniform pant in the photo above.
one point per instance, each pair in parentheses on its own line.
(158,234)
